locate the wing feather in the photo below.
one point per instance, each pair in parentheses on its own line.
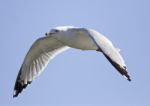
(41,52)
(110,52)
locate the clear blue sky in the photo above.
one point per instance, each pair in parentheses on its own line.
(77,78)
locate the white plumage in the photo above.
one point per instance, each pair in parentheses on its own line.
(58,40)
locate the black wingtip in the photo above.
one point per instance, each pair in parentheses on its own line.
(125,73)
(129,80)
(127,77)
(15,94)
(121,70)
(19,87)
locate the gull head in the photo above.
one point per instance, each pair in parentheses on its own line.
(58,29)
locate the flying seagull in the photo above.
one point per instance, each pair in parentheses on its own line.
(58,40)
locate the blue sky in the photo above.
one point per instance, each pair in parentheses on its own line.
(77,78)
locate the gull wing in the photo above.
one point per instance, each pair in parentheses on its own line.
(110,52)
(41,52)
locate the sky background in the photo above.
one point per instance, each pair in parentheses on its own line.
(77,78)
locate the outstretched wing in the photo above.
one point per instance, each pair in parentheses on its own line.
(41,52)
(110,52)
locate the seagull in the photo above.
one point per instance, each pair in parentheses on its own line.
(60,39)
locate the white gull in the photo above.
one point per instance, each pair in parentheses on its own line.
(60,39)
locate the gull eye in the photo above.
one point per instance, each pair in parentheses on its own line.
(56,30)
(46,34)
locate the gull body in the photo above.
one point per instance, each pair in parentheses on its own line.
(58,40)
